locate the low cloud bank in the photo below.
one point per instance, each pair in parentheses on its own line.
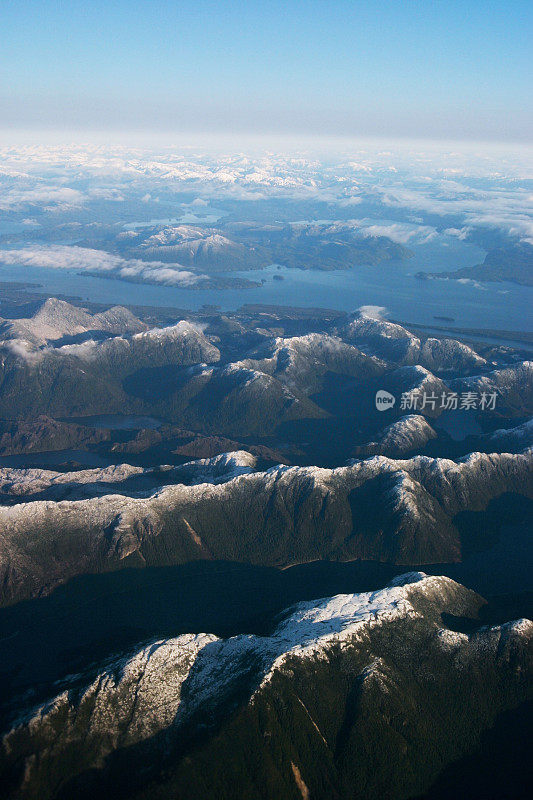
(88,260)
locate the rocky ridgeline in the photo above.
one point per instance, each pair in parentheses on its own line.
(237,381)
(56,320)
(396,511)
(331,681)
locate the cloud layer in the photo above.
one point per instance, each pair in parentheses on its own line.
(88,260)
(465,189)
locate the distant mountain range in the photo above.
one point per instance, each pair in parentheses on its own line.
(248,246)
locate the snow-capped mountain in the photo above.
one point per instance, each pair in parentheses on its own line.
(408,433)
(381,509)
(311,696)
(56,319)
(512,385)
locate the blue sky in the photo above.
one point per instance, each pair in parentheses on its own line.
(417,68)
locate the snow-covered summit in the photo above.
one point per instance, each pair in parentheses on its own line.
(57,319)
(301,361)
(408,433)
(32,481)
(222,467)
(171,683)
(449,354)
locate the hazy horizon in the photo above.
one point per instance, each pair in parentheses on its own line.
(446,71)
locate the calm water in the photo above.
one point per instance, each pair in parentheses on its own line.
(458,424)
(502,306)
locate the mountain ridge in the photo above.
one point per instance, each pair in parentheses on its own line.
(390,510)
(179,699)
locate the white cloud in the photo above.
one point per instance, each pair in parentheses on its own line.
(470,282)
(48,197)
(21,349)
(474,187)
(106,193)
(502,207)
(373,312)
(83,258)
(402,233)
(459,233)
